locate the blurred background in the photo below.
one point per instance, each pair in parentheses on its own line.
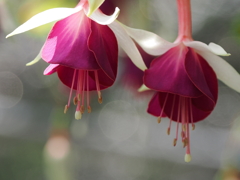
(118,140)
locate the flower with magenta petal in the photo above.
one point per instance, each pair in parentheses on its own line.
(184,76)
(82,48)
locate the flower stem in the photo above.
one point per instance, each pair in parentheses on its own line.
(184,19)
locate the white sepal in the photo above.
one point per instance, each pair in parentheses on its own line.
(150,42)
(216,49)
(127,45)
(103,19)
(224,71)
(44,18)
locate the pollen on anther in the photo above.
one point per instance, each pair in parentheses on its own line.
(193,126)
(89,109)
(100,100)
(82,109)
(168,131)
(75,100)
(175,142)
(159,120)
(65,109)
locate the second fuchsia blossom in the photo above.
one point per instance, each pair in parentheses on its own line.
(82,49)
(184,76)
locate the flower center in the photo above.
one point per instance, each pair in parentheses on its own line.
(184,117)
(82,90)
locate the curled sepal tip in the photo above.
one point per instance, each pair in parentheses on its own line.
(36,59)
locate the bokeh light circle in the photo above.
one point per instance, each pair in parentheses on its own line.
(118,120)
(11,89)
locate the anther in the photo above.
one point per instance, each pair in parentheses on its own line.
(187,158)
(65,109)
(185,142)
(78,115)
(193,126)
(100,100)
(175,142)
(82,109)
(168,131)
(182,134)
(89,109)
(159,119)
(75,100)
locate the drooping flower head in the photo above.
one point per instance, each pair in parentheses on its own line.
(82,48)
(184,76)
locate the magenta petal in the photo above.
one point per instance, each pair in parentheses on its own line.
(52,68)
(201,74)
(103,43)
(154,106)
(167,74)
(67,43)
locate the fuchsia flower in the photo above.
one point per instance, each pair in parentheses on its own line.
(81,49)
(184,76)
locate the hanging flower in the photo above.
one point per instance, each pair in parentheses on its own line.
(184,76)
(81,49)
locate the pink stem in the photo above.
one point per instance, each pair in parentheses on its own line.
(184,19)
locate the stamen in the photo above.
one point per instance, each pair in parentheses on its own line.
(170,123)
(175,142)
(89,109)
(88,101)
(70,95)
(83,89)
(190,105)
(100,100)
(75,100)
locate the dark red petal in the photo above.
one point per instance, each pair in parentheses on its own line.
(201,74)
(167,74)
(154,106)
(65,74)
(67,43)
(103,44)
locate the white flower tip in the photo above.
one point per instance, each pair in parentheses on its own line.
(216,49)
(143,88)
(187,158)
(78,115)
(9,35)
